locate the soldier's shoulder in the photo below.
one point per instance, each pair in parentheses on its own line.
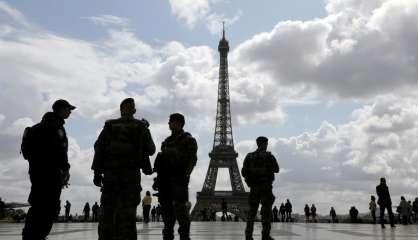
(112,121)
(188,136)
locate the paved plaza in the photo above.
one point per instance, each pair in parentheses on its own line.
(232,231)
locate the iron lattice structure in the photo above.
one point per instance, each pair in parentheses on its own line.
(223,154)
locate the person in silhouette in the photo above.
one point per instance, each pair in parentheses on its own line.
(146,206)
(404,210)
(282,211)
(372,208)
(86,211)
(313,212)
(307,211)
(95,211)
(275,214)
(258,171)
(288,207)
(224,206)
(153,213)
(67,207)
(353,214)
(173,165)
(158,212)
(2,207)
(415,210)
(45,146)
(333,215)
(384,201)
(121,151)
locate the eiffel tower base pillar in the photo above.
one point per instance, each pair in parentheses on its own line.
(237,204)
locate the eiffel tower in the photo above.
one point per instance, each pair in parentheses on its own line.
(223,154)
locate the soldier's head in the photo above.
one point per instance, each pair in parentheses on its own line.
(63,108)
(127,107)
(262,143)
(382,180)
(373,198)
(176,122)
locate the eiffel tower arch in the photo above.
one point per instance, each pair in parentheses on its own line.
(223,154)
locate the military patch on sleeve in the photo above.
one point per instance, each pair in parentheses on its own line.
(61,133)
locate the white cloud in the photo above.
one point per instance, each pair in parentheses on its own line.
(344,162)
(360,50)
(109,20)
(14,13)
(190,11)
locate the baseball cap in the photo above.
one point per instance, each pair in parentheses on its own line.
(60,104)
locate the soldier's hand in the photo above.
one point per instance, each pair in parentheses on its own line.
(98,179)
(145,122)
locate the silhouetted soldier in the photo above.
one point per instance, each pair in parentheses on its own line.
(333,215)
(307,211)
(372,208)
(275,214)
(67,207)
(384,202)
(224,207)
(146,206)
(45,146)
(282,211)
(121,150)
(353,214)
(258,171)
(86,211)
(174,164)
(288,208)
(95,211)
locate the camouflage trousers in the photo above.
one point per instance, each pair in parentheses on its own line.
(173,197)
(264,195)
(120,198)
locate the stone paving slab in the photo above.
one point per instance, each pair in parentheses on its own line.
(232,231)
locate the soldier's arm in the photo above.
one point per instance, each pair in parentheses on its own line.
(149,145)
(100,149)
(244,170)
(191,151)
(275,165)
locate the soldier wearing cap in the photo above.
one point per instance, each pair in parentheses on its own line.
(258,171)
(121,151)
(173,165)
(48,171)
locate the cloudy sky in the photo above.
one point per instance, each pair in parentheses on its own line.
(332,83)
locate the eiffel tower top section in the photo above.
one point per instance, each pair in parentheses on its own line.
(223,129)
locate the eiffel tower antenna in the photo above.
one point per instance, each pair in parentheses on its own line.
(223,154)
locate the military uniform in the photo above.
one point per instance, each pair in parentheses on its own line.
(173,164)
(46,165)
(122,149)
(258,172)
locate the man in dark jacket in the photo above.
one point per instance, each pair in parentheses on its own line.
(173,165)
(258,171)
(48,170)
(121,151)
(384,202)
